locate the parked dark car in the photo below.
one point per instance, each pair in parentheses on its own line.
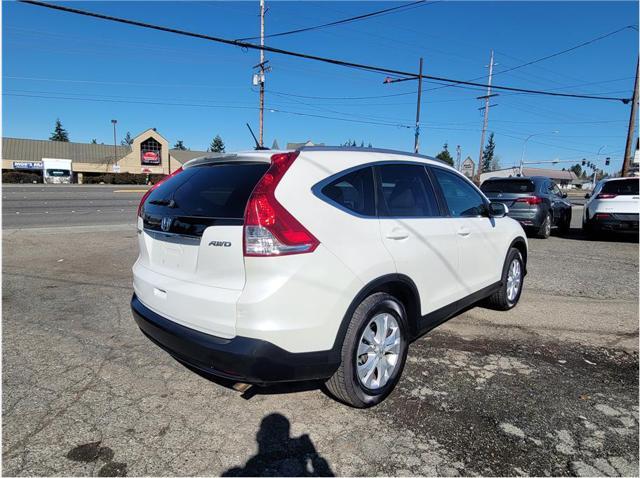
(536,202)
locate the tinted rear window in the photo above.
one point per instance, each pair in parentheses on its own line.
(219,191)
(512,186)
(623,187)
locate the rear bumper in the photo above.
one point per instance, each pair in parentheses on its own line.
(241,359)
(626,223)
(532,217)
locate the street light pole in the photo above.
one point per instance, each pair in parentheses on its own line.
(524,147)
(593,182)
(115,148)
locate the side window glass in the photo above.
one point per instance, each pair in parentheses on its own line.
(406,191)
(462,198)
(556,190)
(353,191)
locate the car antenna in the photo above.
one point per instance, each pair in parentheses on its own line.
(258,147)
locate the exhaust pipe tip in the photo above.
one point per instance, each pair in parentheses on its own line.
(241,387)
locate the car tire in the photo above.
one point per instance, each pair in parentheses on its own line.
(544,231)
(507,298)
(348,384)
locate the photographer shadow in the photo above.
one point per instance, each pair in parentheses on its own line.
(281,455)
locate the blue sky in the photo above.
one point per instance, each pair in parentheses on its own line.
(88,71)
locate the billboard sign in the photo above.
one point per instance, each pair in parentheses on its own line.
(27,165)
(150,157)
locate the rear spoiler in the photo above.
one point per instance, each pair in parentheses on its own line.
(230,157)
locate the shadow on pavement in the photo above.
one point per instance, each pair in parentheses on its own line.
(281,455)
(578,234)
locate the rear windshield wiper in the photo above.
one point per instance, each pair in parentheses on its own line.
(163,202)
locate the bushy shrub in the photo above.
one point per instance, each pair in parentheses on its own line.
(21,177)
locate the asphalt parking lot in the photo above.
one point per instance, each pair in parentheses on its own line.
(550,388)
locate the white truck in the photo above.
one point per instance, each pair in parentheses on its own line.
(56,171)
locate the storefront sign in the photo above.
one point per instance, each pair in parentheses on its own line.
(27,165)
(468,167)
(150,157)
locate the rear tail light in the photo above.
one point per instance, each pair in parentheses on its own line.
(150,190)
(605,196)
(602,216)
(269,229)
(530,200)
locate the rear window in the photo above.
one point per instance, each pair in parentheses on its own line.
(213,191)
(623,187)
(512,186)
(353,191)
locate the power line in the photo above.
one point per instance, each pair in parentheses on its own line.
(538,60)
(344,20)
(364,67)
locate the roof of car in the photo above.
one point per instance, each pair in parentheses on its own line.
(357,149)
(606,180)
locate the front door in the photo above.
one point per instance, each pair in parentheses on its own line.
(480,237)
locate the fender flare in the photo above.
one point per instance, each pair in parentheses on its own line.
(366,291)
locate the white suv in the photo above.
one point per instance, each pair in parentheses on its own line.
(613,206)
(321,263)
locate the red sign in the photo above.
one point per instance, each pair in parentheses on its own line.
(150,157)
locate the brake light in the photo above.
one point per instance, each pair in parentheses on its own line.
(269,229)
(605,196)
(530,200)
(601,215)
(150,190)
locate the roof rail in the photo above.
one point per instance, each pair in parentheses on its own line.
(369,150)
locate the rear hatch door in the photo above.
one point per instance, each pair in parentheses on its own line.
(191,264)
(620,197)
(509,191)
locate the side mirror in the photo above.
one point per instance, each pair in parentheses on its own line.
(587,196)
(498,209)
(564,195)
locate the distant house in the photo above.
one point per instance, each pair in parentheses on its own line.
(562,177)
(300,145)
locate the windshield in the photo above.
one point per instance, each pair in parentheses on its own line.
(58,172)
(510,186)
(623,187)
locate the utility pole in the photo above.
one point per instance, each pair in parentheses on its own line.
(458,155)
(628,153)
(416,144)
(262,71)
(115,148)
(486,98)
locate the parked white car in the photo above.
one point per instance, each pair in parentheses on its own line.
(613,206)
(321,263)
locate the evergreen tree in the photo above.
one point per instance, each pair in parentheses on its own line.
(217,145)
(369,145)
(444,155)
(362,144)
(94,141)
(59,133)
(180,145)
(275,146)
(487,155)
(577,169)
(128,140)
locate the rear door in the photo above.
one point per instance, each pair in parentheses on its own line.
(191,263)
(420,240)
(481,239)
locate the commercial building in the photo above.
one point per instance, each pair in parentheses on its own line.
(149,153)
(562,177)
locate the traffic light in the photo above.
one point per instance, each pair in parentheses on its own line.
(584,161)
(607,161)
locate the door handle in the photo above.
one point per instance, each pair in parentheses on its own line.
(464,232)
(397,233)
